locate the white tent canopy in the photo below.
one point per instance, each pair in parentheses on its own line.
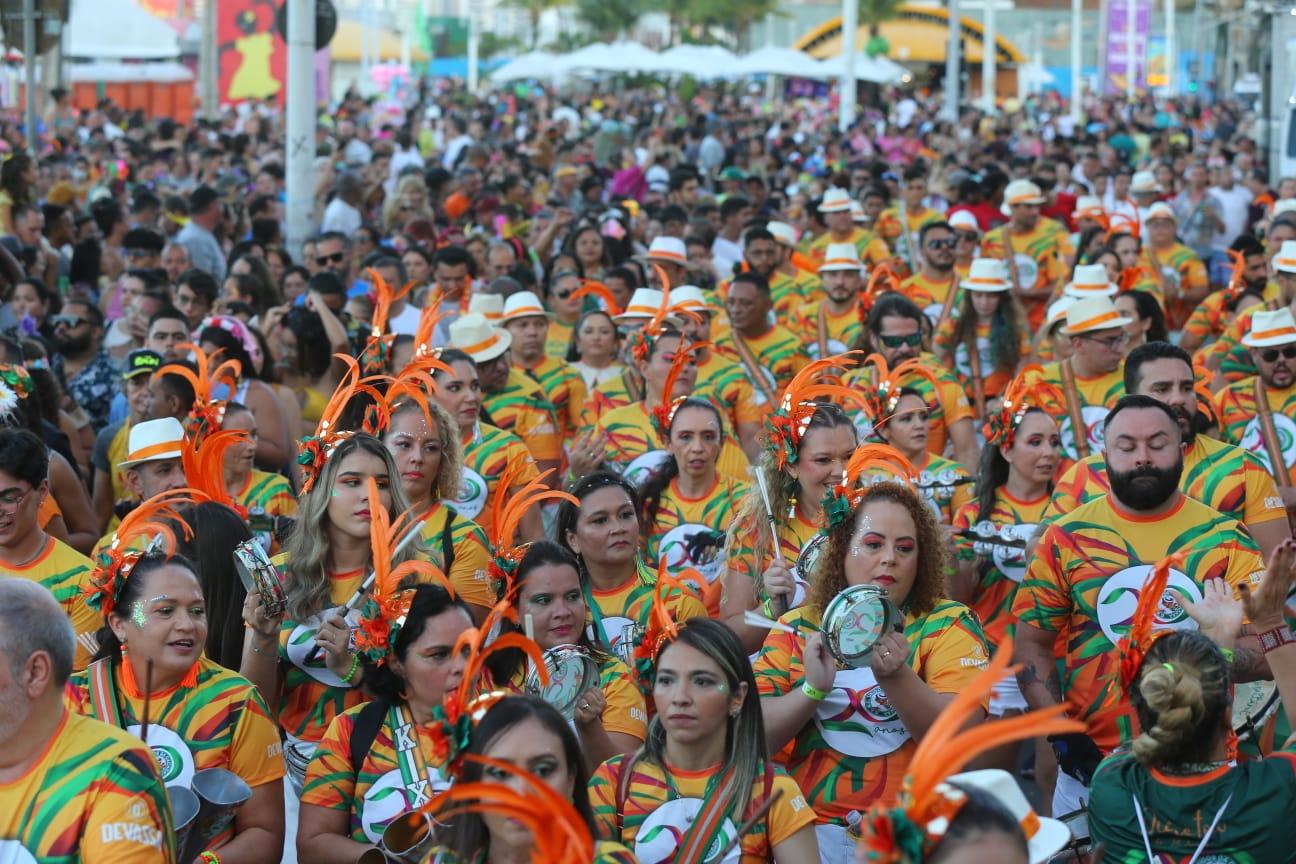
(779,61)
(876,70)
(118,30)
(537,64)
(701,61)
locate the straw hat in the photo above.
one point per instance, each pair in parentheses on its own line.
(1271,328)
(668,249)
(963,220)
(1089,207)
(841,256)
(478,338)
(152,441)
(1160,210)
(1022,192)
(1092,314)
(689,298)
(1057,310)
(1144,182)
(835,201)
(1090,280)
(1044,836)
(1284,205)
(857,212)
(643,305)
(489,306)
(986,274)
(523,304)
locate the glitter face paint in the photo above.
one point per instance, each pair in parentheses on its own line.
(138,614)
(865,527)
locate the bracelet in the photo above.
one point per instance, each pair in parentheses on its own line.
(813,693)
(209,857)
(1272,640)
(355,664)
(1228,654)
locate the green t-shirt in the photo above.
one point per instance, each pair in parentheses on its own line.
(1179,810)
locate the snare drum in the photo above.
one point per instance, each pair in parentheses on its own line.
(259,574)
(1254,702)
(854,622)
(571,673)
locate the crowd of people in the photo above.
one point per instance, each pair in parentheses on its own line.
(615,476)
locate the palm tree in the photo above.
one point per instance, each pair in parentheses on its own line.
(607,19)
(534,9)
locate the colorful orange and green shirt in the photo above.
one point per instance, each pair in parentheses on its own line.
(609,612)
(1039,258)
(1094,396)
(871,248)
(213,718)
(1221,476)
(469,553)
(1233,357)
(92,797)
(488,450)
(66,573)
(778,352)
(947,404)
(930,295)
(559,338)
(564,387)
(790,292)
(523,409)
(679,518)
(724,382)
(1001,567)
(1236,406)
(840,330)
(794,535)
(1084,580)
(855,751)
(623,710)
(1180,265)
(268,492)
(661,801)
(937,483)
(994,378)
(621,389)
(375,795)
(634,447)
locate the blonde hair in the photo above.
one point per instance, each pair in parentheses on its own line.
(1181,697)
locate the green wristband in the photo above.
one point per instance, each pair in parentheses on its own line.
(813,693)
(355,664)
(1228,654)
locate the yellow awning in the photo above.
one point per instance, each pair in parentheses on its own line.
(918,34)
(345,46)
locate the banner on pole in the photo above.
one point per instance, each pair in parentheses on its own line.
(253,58)
(1126,58)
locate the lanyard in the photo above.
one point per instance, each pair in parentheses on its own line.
(604,639)
(413,769)
(1201,847)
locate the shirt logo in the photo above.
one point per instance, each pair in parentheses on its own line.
(1118,598)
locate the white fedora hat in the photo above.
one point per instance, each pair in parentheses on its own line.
(1270,328)
(1160,210)
(1285,260)
(1090,280)
(1091,314)
(857,212)
(523,304)
(1022,192)
(478,338)
(963,220)
(489,306)
(689,298)
(1057,310)
(841,256)
(668,249)
(986,274)
(835,201)
(152,441)
(644,303)
(783,232)
(1045,837)
(1089,207)
(1144,181)
(1284,205)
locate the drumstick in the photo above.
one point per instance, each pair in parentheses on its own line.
(529,626)
(365,585)
(753,618)
(750,823)
(148,696)
(781,602)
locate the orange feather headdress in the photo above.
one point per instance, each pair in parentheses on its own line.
(1140,638)
(590,288)
(883,280)
(909,832)
(788,423)
(1027,390)
(882,390)
(663,414)
(207,413)
(1237,281)
(143,530)
(384,611)
(661,627)
(314,450)
(641,340)
(376,355)
(867,459)
(508,509)
(203,462)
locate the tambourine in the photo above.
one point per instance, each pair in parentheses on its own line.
(1016,536)
(809,557)
(946,479)
(1254,702)
(572,671)
(854,622)
(259,574)
(625,646)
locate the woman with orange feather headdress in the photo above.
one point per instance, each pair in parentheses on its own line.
(383,759)
(851,731)
(546,817)
(151,678)
(808,439)
(993,530)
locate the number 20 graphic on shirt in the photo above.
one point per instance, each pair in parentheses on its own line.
(1119,596)
(660,834)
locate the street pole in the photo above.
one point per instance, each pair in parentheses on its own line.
(29,70)
(953,54)
(1131,56)
(300,107)
(1172,50)
(989,50)
(1077,22)
(208,66)
(1199,46)
(850,29)
(473,40)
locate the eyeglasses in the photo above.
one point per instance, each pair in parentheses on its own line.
(67,320)
(1111,343)
(913,340)
(1270,355)
(941,244)
(563,295)
(335,258)
(968,236)
(11,498)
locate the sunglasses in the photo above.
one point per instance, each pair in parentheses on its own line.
(563,295)
(335,258)
(66,320)
(913,340)
(968,236)
(941,244)
(1270,355)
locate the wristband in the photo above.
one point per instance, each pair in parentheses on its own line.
(813,693)
(1272,640)
(1228,654)
(209,858)
(355,664)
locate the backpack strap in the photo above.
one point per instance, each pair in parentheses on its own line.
(365,729)
(447,542)
(623,789)
(103,693)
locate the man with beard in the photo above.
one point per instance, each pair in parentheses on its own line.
(769,353)
(935,284)
(1214,314)
(87,372)
(94,787)
(1090,378)
(895,330)
(1035,249)
(831,324)
(836,211)
(1083,585)
(1222,476)
(1230,355)
(1266,427)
